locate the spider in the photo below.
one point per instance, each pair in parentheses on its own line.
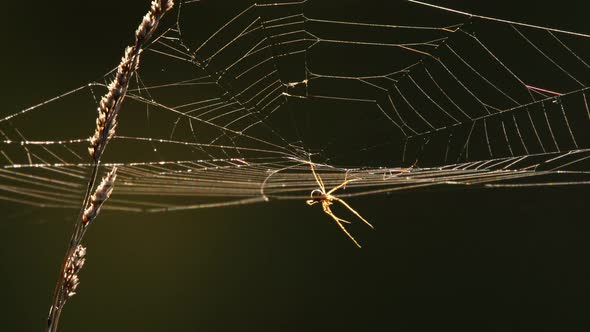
(320,195)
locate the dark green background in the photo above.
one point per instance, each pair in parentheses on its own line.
(477,260)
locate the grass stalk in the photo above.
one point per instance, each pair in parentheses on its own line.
(106,123)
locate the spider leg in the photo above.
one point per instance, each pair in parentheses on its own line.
(339,222)
(338,187)
(352,210)
(318,179)
(329,212)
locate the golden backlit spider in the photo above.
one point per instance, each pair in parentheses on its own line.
(320,195)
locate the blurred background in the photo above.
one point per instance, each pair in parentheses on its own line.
(473,259)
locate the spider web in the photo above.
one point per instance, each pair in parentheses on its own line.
(399,98)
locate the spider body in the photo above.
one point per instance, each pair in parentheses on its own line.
(317,196)
(320,195)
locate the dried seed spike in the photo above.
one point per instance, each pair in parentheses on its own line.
(101,194)
(110,103)
(73,266)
